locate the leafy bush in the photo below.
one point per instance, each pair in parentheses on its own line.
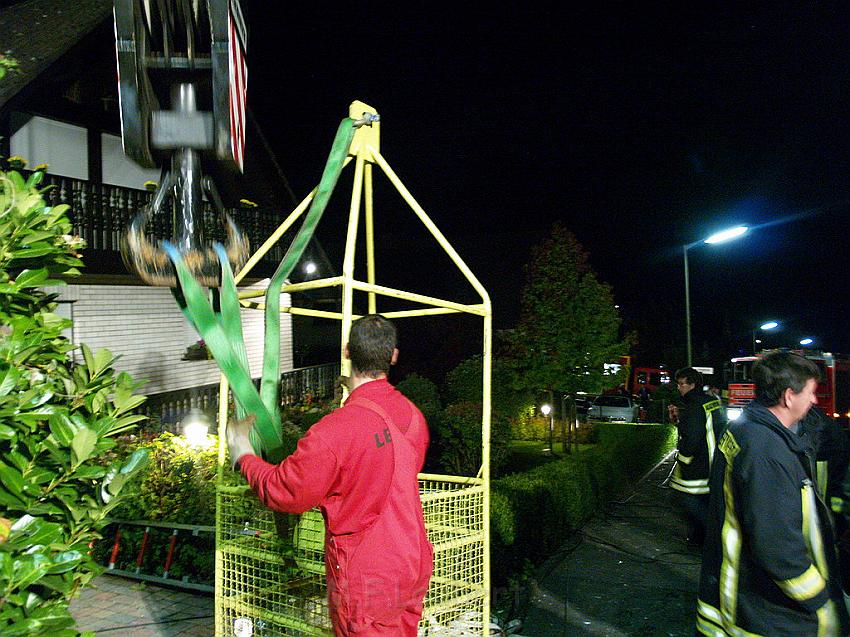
(532,513)
(424,395)
(464,383)
(532,427)
(459,436)
(57,423)
(178,484)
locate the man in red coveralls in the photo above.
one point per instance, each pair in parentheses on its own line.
(359,465)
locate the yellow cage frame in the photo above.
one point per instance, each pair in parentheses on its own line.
(456,507)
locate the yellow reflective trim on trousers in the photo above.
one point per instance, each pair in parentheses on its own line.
(684,459)
(827,620)
(822,476)
(705,627)
(730,538)
(709,623)
(804,586)
(709,612)
(695,487)
(811,531)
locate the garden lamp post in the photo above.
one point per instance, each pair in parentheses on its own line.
(196,426)
(546,410)
(718,237)
(764,327)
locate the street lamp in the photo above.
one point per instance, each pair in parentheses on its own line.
(718,237)
(806,341)
(765,327)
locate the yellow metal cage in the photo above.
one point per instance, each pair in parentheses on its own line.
(269,566)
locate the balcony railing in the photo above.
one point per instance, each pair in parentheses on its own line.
(100,213)
(298,385)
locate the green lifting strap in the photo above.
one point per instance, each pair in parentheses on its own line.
(221,327)
(270,385)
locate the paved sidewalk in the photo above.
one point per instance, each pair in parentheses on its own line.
(118,606)
(629,573)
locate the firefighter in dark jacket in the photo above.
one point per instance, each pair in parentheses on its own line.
(769,562)
(700,423)
(829,442)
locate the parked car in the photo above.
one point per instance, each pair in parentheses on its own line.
(614,408)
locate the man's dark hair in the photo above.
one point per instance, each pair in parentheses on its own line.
(370,345)
(778,371)
(691,375)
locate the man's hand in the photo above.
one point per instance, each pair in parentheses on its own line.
(238,441)
(673,413)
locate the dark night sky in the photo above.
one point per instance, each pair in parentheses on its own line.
(640,128)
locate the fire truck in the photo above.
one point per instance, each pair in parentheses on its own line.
(833,390)
(636,377)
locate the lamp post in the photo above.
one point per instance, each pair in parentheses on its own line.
(546,410)
(718,237)
(765,327)
(806,341)
(196,426)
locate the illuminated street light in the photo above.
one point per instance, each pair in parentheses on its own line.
(546,410)
(718,237)
(765,327)
(806,341)
(727,235)
(310,267)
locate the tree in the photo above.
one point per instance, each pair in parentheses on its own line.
(569,326)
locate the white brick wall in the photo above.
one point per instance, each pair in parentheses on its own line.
(146,327)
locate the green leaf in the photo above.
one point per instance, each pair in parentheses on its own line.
(127,403)
(62,428)
(124,423)
(89,472)
(38,250)
(31,278)
(18,460)
(102,359)
(64,562)
(36,532)
(53,617)
(12,480)
(7,432)
(88,356)
(8,380)
(82,445)
(28,569)
(137,460)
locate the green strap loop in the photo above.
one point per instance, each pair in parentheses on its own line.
(221,328)
(196,306)
(269,387)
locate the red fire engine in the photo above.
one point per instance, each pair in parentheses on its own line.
(833,390)
(650,377)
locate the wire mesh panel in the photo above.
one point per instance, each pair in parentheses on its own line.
(454,517)
(270,567)
(270,573)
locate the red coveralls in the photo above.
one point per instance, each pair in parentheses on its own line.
(359,465)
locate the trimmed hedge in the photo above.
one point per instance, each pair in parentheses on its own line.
(532,513)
